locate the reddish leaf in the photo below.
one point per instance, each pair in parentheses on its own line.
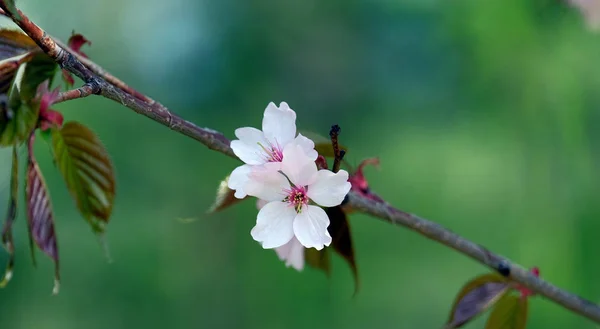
(475,297)
(339,229)
(76,41)
(39,213)
(7,238)
(360,183)
(225,197)
(318,259)
(44,99)
(509,313)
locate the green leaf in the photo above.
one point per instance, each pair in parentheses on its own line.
(509,313)
(39,69)
(7,238)
(322,144)
(12,9)
(22,121)
(318,259)
(87,171)
(40,220)
(475,297)
(225,197)
(339,229)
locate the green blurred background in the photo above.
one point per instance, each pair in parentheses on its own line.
(484,114)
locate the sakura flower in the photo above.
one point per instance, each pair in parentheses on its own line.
(255,147)
(292,253)
(288,213)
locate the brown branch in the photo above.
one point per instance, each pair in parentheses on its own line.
(98,70)
(81,92)
(112,88)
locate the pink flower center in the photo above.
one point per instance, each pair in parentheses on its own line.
(297,197)
(273,153)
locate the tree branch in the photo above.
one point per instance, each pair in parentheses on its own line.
(98,81)
(81,92)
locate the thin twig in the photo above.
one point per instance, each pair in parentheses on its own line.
(217,141)
(99,71)
(81,92)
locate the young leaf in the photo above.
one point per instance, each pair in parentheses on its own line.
(14,43)
(39,216)
(7,238)
(39,69)
(339,229)
(475,297)
(509,313)
(87,171)
(225,197)
(76,41)
(318,259)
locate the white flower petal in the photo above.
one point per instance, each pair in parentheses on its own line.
(297,166)
(329,189)
(307,145)
(274,224)
(292,253)
(260,203)
(267,183)
(247,146)
(310,227)
(238,179)
(279,124)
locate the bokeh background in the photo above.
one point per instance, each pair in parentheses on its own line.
(484,114)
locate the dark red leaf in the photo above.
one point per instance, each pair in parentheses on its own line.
(51,119)
(475,297)
(44,99)
(76,41)
(339,229)
(39,213)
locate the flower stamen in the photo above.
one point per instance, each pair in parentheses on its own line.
(296,197)
(272,153)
